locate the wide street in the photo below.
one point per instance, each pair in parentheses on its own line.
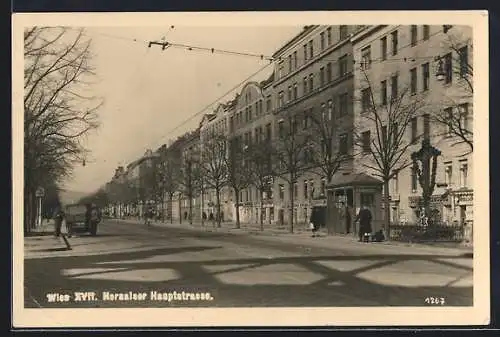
(223,269)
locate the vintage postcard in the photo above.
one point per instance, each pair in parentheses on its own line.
(250,169)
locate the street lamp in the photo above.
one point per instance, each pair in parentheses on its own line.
(440,74)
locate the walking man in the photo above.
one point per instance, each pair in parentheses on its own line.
(58,219)
(365,222)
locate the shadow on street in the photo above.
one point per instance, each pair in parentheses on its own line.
(331,287)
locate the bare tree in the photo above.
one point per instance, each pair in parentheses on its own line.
(214,166)
(57,111)
(457,67)
(170,162)
(189,180)
(324,132)
(384,142)
(291,146)
(261,172)
(238,171)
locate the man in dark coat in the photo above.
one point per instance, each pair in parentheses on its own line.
(365,222)
(58,219)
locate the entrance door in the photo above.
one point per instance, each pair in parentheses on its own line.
(462,214)
(281,217)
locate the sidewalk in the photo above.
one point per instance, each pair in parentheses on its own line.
(42,239)
(302,237)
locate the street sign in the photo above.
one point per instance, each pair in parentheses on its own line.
(40,192)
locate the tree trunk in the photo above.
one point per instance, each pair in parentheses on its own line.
(217,196)
(261,212)
(387,210)
(171,208)
(191,209)
(202,205)
(237,206)
(291,207)
(180,210)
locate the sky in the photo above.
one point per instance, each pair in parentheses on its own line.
(150,93)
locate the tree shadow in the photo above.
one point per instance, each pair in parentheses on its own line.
(315,284)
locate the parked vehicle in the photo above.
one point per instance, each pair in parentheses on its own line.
(82,218)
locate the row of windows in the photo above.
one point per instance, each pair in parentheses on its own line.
(325,39)
(308,189)
(309,83)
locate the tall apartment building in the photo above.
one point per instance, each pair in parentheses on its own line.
(212,124)
(251,122)
(313,76)
(393,59)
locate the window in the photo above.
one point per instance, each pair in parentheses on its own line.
(343,144)
(280,70)
(305,123)
(322,40)
(383,48)
(463,55)
(394,87)
(426,32)
(281,99)
(366,58)
(305,53)
(295,63)
(448,174)
(261,108)
(281,191)
(268,104)
(289,93)
(305,85)
(383,92)
(343,105)
(311,83)
(463,110)
(448,68)
(295,189)
(343,32)
(414,129)
(311,192)
(427,126)
(414,35)
(290,63)
(365,140)
(464,168)
(295,91)
(449,114)
(365,99)
(394,36)
(311,49)
(330,109)
(384,134)
(323,186)
(306,195)
(395,183)
(281,128)
(425,76)
(414,182)
(413,81)
(322,76)
(329,35)
(268,132)
(343,65)
(328,72)
(323,111)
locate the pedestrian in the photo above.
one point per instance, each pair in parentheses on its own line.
(58,219)
(204,216)
(211,216)
(364,218)
(314,221)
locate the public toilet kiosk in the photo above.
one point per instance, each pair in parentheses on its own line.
(346,193)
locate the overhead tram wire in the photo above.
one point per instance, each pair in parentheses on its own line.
(169,133)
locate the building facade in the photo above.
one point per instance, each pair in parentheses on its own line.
(314,78)
(427,65)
